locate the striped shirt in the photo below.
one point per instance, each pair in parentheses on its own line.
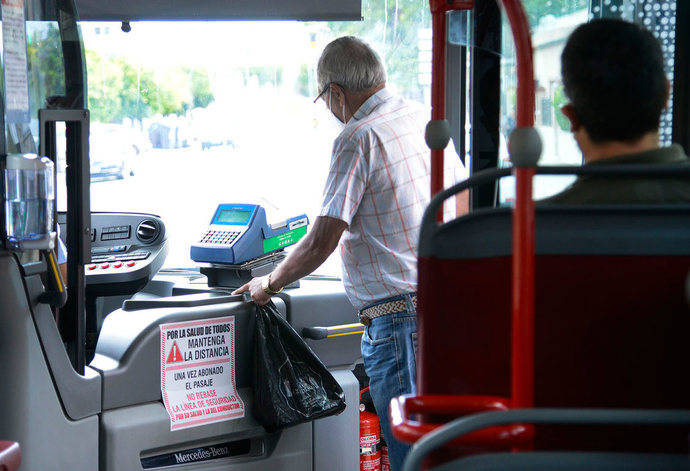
(378,183)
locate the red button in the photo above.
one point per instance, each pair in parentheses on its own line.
(92,266)
(130,264)
(105,265)
(117,265)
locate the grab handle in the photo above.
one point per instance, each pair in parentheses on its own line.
(322,333)
(408,430)
(56,292)
(467,425)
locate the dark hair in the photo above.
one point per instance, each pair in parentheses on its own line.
(613,74)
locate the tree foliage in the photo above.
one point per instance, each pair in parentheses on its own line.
(202,96)
(392,27)
(119,89)
(537,9)
(302,83)
(559,99)
(44,61)
(264,75)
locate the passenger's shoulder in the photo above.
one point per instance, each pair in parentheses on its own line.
(366,130)
(352,142)
(574,194)
(351,135)
(398,113)
(560,198)
(360,133)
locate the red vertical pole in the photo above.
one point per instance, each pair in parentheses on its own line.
(522,312)
(438,88)
(439,8)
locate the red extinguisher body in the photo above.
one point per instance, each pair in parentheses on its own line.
(385,464)
(369,440)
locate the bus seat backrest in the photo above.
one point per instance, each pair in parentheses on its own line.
(611,318)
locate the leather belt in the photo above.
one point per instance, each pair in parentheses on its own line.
(383,309)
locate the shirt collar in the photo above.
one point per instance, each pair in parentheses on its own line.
(671,154)
(372,102)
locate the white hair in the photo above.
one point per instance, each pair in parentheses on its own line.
(350,63)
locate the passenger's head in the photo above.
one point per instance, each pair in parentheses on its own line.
(351,70)
(613,74)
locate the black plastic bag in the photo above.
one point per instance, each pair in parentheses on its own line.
(291,384)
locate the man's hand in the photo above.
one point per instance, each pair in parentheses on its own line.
(307,256)
(259,296)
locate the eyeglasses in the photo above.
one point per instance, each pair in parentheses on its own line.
(326,88)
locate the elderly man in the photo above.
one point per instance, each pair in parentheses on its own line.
(374,198)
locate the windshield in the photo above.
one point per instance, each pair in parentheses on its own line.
(188,115)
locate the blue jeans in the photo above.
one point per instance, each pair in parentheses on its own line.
(389,347)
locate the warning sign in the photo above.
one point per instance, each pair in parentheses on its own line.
(175,354)
(198,372)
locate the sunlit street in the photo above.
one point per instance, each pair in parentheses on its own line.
(177,185)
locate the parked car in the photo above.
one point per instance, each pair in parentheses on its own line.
(114,151)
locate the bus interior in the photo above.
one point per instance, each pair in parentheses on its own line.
(549,338)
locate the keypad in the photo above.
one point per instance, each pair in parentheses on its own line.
(219,237)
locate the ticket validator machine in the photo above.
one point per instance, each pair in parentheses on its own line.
(239,244)
(84,395)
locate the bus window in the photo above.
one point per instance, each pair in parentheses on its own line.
(187,115)
(552,22)
(45,73)
(45,66)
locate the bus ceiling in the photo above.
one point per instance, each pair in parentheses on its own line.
(205,10)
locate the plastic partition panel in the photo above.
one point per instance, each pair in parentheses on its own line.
(31,411)
(153,10)
(80,395)
(341,454)
(128,349)
(130,433)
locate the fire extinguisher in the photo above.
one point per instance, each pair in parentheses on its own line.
(385,464)
(369,439)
